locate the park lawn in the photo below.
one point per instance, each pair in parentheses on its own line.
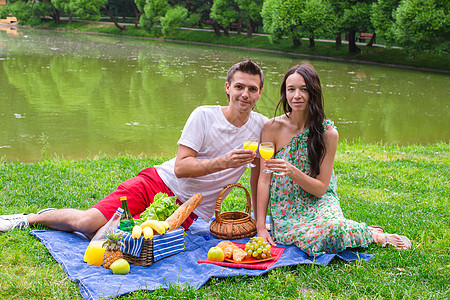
(261,43)
(403,188)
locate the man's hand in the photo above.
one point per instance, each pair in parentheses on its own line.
(188,165)
(239,157)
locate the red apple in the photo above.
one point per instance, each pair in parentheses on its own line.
(216,254)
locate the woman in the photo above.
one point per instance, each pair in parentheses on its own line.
(302,195)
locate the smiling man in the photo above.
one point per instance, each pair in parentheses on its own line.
(210,156)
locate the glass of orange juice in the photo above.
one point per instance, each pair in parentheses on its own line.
(94,253)
(266,150)
(251,143)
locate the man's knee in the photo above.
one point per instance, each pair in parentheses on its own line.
(90,220)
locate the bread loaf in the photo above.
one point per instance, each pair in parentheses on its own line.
(231,251)
(180,215)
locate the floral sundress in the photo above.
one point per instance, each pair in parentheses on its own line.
(315,225)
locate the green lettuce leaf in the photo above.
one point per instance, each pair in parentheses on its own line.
(161,208)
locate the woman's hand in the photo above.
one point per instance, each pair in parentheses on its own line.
(266,236)
(280,167)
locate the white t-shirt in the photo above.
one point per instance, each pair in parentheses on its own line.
(209,133)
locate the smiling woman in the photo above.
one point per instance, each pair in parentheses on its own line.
(92,95)
(301,189)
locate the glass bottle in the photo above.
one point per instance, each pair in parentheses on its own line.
(95,250)
(126,221)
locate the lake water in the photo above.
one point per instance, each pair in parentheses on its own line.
(77,95)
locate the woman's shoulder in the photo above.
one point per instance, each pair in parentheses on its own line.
(275,123)
(330,131)
(327,124)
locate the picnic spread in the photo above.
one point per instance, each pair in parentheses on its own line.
(166,255)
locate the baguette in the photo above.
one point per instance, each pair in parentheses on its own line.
(183,212)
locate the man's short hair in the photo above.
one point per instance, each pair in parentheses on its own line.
(248,67)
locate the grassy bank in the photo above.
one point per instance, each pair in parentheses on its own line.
(404,189)
(322,49)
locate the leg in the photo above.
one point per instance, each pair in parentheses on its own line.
(69,219)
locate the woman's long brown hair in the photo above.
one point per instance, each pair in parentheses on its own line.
(316,114)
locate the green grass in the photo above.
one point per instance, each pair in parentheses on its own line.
(325,49)
(405,189)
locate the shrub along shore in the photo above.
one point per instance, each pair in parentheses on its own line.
(323,49)
(402,188)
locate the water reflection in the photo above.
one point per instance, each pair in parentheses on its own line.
(85,94)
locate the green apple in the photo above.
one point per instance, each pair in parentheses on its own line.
(120,266)
(216,254)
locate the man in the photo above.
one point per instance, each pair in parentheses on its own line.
(210,156)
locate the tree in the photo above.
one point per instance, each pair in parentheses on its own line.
(88,9)
(198,13)
(137,13)
(423,25)
(356,18)
(174,17)
(113,8)
(30,12)
(317,18)
(225,12)
(338,13)
(250,13)
(382,18)
(152,10)
(282,18)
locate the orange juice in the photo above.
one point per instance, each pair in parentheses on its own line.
(251,145)
(94,253)
(265,152)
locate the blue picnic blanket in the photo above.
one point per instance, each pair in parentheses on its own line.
(181,269)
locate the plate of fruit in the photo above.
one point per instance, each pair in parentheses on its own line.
(257,250)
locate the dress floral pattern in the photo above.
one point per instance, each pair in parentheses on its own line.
(315,225)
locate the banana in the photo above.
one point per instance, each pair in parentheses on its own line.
(155,225)
(136,232)
(165,224)
(148,233)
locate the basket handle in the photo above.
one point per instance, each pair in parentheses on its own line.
(220,198)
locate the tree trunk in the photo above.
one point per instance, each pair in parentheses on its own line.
(338,39)
(352,42)
(70,17)
(214,25)
(312,43)
(372,40)
(225,31)
(239,29)
(249,30)
(55,16)
(114,19)
(137,13)
(297,42)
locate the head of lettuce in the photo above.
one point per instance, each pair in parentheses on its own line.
(161,208)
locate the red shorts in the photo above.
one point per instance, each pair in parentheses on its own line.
(140,191)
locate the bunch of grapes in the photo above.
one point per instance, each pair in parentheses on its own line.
(257,248)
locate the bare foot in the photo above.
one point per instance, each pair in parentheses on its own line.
(394,240)
(376,229)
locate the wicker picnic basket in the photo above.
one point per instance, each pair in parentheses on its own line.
(232,225)
(146,257)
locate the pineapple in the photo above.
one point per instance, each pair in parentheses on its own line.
(112,243)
